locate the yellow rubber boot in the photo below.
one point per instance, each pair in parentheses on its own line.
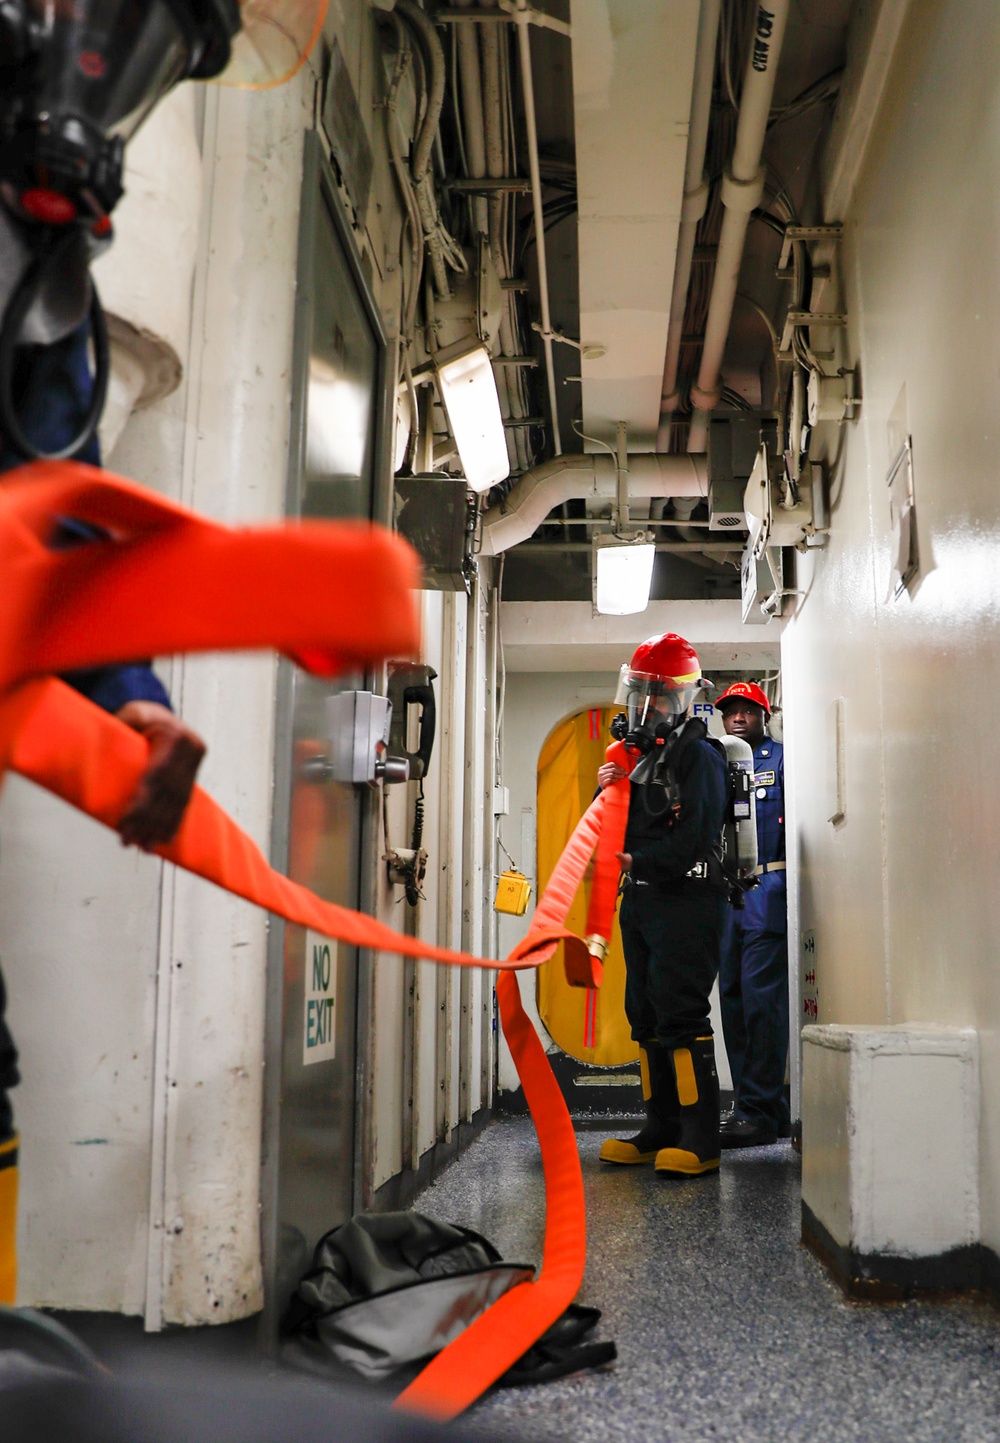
(8,1220)
(662,1112)
(697,1149)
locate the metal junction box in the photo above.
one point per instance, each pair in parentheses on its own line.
(358,725)
(733,442)
(758,584)
(432,514)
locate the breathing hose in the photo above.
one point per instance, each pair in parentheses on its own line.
(24,297)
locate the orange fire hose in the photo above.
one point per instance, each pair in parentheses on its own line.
(310,591)
(56,738)
(59,740)
(332,596)
(607,868)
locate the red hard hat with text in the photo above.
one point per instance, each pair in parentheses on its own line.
(668,655)
(743,691)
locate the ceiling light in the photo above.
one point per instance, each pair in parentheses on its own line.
(469,392)
(623,574)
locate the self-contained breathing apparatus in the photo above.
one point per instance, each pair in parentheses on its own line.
(656,727)
(77,79)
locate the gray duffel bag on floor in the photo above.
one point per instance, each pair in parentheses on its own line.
(388,1290)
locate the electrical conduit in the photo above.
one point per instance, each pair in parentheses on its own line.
(523,17)
(472,111)
(423,147)
(693,207)
(508,381)
(742,192)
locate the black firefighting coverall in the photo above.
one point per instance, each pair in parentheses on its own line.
(672,922)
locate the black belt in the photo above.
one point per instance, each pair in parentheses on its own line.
(698,873)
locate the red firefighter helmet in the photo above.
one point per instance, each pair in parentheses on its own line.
(661,680)
(668,657)
(744,691)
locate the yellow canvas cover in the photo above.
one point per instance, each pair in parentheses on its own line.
(567,780)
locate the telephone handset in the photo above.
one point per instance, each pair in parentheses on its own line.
(410,685)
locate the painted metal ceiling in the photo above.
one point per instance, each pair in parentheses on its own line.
(633,63)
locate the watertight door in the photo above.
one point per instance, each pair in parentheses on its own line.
(309,1129)
(589,1026)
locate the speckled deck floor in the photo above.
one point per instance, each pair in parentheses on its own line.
(727,1329)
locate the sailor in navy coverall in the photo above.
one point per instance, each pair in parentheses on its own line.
(753,971)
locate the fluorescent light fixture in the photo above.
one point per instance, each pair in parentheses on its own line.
(623,573)
(469,392)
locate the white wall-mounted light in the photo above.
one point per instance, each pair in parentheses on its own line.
(469,392)
(623,574)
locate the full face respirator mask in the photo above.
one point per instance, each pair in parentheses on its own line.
(77,79)
(654,705)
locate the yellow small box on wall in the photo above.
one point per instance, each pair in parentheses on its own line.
(513,891)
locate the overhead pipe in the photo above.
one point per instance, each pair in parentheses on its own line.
(523,15)
(592,477)
(693,206)
(619,512)
(489,44)
(423,185)
(508,386)
(472,110)
(742,191)
(434,54)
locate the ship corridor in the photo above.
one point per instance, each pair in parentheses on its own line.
(724,276)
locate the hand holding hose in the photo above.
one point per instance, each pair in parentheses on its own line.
(164,790)
(608,773)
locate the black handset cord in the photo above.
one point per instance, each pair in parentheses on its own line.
(413,893)
(24,297)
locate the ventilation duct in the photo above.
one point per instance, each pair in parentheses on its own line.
(579,478)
